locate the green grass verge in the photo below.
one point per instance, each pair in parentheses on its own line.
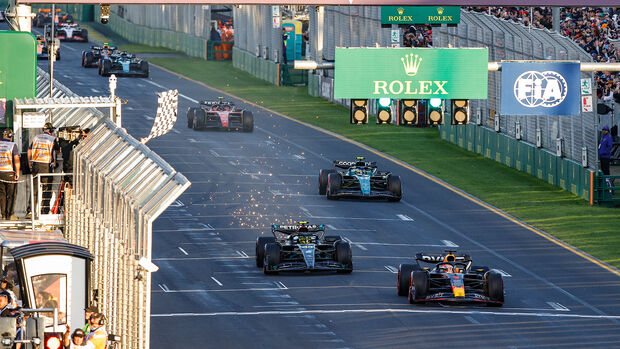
(547,207)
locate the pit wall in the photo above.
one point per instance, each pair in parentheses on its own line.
(522,156)
(256,65)
(190,45)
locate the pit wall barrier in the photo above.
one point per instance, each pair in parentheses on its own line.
(524,157)
(81,13)
(190,45)
(256,65)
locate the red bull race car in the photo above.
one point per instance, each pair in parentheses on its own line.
(90,59)
(219,115)
(302,247)
(451,279)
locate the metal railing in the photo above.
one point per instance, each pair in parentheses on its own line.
(120,188)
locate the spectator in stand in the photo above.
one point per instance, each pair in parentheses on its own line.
(77,338)
(42,160)
(418,37)
(67,154)
(9,174)
(5,306)
(7,286)
(591,28)
(96,339)
(90,310)
(604,150)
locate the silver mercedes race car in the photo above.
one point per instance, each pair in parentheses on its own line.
(302,247)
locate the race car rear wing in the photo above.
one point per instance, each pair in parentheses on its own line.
(99,48)
(440,257)
(217,103)
(347,164)
(295,228)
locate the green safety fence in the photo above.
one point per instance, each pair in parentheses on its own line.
(193,46)
(219,50)
(606,190)
(524,157)
(257,66)
(80,13)
(289,76)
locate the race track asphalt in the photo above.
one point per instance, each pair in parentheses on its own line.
(208,292)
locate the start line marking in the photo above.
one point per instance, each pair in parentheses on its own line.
(389,310)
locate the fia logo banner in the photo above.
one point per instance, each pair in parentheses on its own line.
(545,89)
(537,88)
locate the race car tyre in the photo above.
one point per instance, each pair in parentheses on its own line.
(333,238)
(58,55)
(418,288)
(105,67)
(344,256)
(272,258)
(323,180)
(494,288)
(403,280)
(199,118)
(191,111)
(394,187)
(89,59)
(261,241)
(334,180)
(83,59)
(248,121)
(144,68)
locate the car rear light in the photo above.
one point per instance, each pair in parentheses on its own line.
(53,340)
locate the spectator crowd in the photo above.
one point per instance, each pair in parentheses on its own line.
(596,30)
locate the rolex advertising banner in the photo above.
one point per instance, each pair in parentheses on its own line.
(411,73)
(420,14)
(18,74)
(536,88)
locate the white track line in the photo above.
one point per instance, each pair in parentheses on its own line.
(216,281)
(404,217)
(280,285)
(391,269)
(305,211)
(472,320)
(165,88)
(449,243)
(558,306)
(410,310)
(184,252)
(164,287)
(355,244)
(242,254)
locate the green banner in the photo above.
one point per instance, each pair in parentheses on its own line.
(18,64)
(411,73)
(420,15)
